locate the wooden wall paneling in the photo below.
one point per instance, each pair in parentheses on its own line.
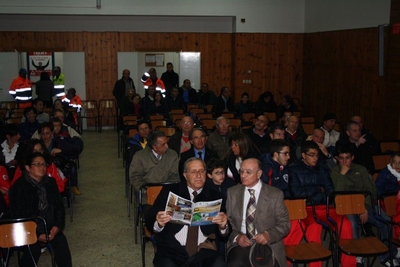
(341,75)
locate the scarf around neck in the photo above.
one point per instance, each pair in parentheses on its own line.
(41,190)
(393,172)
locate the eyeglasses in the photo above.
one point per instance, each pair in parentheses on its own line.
(284,153)
(312,155)
(37,164)
(219,173)
(199,137)
(248,172)
(194,172)
(187,123)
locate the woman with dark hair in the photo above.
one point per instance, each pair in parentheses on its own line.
(287,105)
(388,179)
(265,103)
(36,194)
(159,105)
(241,148)
(30,125)
(9,148)
(37,146)
(62,149)
(45,89)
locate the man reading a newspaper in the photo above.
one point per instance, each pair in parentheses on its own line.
(180,244)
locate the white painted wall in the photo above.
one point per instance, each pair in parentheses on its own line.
(260,15)
(280,16)
(330,15)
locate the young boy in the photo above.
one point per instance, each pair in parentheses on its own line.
(216,176)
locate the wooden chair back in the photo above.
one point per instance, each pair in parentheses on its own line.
(152,193)
(177,117)
(9,104)
(156,117)
(192,106)
(208,123)
(308,128)
(297,114)
(157,123)
(176,111)
(235,122)
(228,115)
(196,111)
(350,204)
(390,205)
(14,120)
(380,161)
(17,234)
(389,146)
(169,131)
(307,119)
(247,116)
(3,113)
(271,116)
(296,208)
(130,119)
(204,116)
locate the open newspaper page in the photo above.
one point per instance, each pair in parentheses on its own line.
(183,211)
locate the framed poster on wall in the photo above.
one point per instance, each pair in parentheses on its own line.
(39,62)
(154,60)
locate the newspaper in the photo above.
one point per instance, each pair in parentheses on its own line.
(184,211)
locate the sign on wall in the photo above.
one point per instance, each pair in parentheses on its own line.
(39,62)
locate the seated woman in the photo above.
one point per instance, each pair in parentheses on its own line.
(36,194)
(265,103)
(159,105)
(9,148)
(37,146)
(388,179)
(62,149)
(130,104)
(30,125)
(241,148)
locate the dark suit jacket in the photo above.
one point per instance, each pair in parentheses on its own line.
(167,245)
(190,153)
(219,106)
(271,216)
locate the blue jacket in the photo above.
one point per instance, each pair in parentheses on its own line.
(386,183)
(272,170)
(312,182)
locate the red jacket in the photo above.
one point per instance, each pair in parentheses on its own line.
(4,183)
(159,84)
